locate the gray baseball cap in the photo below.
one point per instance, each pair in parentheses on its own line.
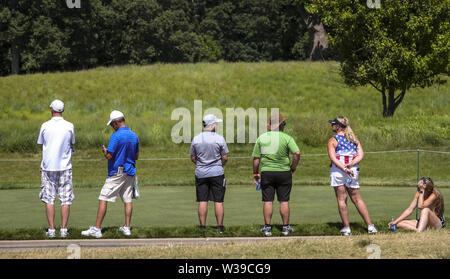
(210,119)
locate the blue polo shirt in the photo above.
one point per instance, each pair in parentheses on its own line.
(124,144)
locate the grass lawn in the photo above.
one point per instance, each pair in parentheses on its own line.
(89,169)
(172,212)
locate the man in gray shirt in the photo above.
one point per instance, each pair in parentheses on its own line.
(209,152)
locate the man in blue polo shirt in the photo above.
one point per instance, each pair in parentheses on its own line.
(122,153)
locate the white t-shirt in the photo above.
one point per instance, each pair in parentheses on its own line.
(56,135)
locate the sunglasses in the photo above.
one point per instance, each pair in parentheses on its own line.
(425,179)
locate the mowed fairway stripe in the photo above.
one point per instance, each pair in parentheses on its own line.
(15,245)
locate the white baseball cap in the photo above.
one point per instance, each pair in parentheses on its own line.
(115,114)
(210,119)
(57,105)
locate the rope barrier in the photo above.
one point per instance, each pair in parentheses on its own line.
(236,157)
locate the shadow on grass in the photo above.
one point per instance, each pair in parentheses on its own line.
(321,229)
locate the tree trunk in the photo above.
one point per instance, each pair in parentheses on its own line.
(15,57)
(15,54)
(317,35)
(384,102)
(391,103)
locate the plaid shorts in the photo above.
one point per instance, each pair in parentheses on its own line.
(56,182)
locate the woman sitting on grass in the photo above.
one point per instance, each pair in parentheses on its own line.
(431,203)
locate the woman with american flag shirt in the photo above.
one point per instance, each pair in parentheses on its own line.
(345,152)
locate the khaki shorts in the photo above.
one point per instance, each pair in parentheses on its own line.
(119,184)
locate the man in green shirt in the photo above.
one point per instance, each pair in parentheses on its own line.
(272,152)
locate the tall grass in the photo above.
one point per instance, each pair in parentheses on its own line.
(307,93)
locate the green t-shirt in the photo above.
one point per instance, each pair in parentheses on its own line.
(273,148)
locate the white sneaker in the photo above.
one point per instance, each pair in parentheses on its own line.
(346,231)
(93,231)
(287,230)
(267,230)
(51,233)
(125,230)
(63,233)
(371,229)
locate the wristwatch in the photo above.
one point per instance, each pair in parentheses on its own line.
(420,192)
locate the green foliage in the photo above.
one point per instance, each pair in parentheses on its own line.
(52,37)
(402,45)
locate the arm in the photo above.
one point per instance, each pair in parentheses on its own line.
(136,156)
(224,159)
(224,152)
(193,154)
(108,155)
(359,155)
(407,211)
(256,175)
(295,160)
(422,203)
(332,144)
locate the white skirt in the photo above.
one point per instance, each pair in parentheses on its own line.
(340,178)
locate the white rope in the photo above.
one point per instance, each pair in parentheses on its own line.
(236,157)
(431,151)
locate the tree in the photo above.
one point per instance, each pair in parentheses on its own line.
(15,55)
(403,44)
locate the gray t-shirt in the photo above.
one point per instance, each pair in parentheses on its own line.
(208,148)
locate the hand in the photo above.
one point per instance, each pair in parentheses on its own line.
(390,224)
(349,171)
(256,178)
(293,169)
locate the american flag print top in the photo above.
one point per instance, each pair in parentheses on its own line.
(345,150)
(344,146)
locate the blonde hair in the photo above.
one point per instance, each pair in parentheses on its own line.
(439,203)
(348,132)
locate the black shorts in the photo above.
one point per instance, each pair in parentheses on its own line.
(279,181)
(210,188)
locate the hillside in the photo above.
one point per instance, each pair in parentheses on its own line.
(307,93)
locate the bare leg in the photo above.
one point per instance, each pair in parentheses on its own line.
(50,210)
(341,196)
(408,225)
(102,206)
(65,212)
(355,196)
(285,212)
(218,208)
(428,219)
(267,212)
(128,212)
(202,212)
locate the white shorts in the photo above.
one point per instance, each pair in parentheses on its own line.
(118,184)
(56,182)
(339,177)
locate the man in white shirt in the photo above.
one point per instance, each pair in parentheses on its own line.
(57,138)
